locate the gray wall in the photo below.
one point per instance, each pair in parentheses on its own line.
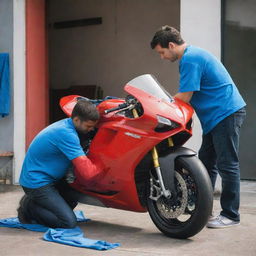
(110,54)
(6,45)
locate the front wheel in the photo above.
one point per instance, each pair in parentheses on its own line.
(187,214)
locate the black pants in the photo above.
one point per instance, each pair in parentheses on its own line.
(52,205)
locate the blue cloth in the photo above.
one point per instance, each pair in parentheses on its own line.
(50,153)
(15,223)
(73,237)
(80,216)
(215,95)
(4,85)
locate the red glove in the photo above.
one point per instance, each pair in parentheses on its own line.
(86,171)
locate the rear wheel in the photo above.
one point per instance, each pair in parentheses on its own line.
(185,215)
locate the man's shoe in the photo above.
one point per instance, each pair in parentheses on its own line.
(22,215)
(211,217)
(221,222)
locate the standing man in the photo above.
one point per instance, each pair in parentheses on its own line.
(48,200)
(208,87)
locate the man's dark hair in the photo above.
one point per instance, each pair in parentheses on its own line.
(85,111)
(165,35)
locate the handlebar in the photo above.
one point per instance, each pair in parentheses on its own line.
(120,106)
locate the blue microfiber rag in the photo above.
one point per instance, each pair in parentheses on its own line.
(15,223)
(4,85)
(73,237)
(80,217)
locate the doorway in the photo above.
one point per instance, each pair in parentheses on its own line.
(97,46)
(239,56)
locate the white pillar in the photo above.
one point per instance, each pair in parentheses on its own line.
(19,85)
(200,25)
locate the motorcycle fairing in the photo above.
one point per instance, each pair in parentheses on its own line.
(122,142)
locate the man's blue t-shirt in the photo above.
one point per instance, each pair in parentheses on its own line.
(215,95)
(50,153)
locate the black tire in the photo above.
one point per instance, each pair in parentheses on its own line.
(198,206)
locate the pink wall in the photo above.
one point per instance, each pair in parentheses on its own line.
(37,93)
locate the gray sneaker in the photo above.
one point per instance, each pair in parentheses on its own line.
(221,222)
(211,217)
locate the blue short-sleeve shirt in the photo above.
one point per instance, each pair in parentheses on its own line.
(50,153)
(215,95)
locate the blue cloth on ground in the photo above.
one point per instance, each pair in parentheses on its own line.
(4,85)
(80,216)
(73,237)
(15,223)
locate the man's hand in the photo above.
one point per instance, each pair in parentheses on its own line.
(184,96)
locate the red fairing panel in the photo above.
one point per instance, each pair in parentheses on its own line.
(67,104)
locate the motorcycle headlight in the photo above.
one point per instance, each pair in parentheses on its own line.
(165,124)
(189,124)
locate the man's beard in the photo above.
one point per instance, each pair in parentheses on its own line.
(81,131)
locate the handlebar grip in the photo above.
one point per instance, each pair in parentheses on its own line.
(120,106)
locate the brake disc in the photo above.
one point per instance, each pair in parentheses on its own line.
(173,211)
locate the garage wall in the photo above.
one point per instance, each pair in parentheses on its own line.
(110,54)
(6,46)
(6,38)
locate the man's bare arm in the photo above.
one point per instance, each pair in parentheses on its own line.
(185,96)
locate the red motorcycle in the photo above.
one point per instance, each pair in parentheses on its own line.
(139,142)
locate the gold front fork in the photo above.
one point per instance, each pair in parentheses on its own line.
(155,157)
(155,154)
(170,142)
(135,113)
(165,192)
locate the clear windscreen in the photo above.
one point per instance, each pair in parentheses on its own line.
(149,84)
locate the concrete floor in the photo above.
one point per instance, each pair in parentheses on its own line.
(135,231)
